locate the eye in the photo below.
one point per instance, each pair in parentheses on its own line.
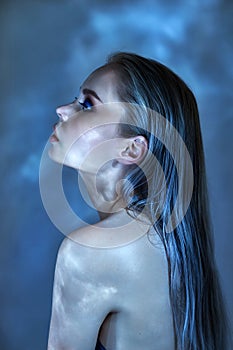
(86,104)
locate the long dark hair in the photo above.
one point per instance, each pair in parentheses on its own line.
(195,294)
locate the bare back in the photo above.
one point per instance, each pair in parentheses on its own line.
(120,295)
(142,320)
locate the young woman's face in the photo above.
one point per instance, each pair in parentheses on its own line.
(87,122)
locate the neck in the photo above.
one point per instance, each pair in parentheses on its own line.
(104,191)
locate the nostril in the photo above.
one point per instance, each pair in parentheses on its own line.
(62,117)
(62,112)
(59,115)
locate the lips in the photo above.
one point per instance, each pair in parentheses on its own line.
(53,137)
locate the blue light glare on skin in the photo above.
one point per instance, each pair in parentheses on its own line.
(47,51)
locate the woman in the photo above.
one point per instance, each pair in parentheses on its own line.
(132,134)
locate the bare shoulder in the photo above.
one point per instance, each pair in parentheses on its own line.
(84,273)
(78,255)
(83,295)
(106,245)
(88,252)
(82,256)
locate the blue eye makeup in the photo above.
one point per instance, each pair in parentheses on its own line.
(86,104)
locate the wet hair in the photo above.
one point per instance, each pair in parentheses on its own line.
(151,89)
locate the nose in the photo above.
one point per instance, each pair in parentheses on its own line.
(63,112)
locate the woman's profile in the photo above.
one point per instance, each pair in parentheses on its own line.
(134,136)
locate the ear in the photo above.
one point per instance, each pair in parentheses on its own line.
(133,150)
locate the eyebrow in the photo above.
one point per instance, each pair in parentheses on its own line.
(91,92)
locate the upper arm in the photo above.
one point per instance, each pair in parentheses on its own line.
(81,298)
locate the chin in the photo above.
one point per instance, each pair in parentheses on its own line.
(54,156)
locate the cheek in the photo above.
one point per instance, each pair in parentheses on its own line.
(92,150)
(77,146)
(85,141)
(88,136)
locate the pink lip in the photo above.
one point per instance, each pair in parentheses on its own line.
(53,138)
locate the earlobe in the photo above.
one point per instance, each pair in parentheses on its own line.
(134,150)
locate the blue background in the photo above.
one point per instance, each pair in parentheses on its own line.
(47,49)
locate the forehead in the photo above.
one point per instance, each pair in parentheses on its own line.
(104,82)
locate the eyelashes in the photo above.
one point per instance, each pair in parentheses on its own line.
(86,104)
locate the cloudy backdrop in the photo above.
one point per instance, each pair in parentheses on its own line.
(47,49)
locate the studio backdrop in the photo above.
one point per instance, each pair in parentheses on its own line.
(47,50)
